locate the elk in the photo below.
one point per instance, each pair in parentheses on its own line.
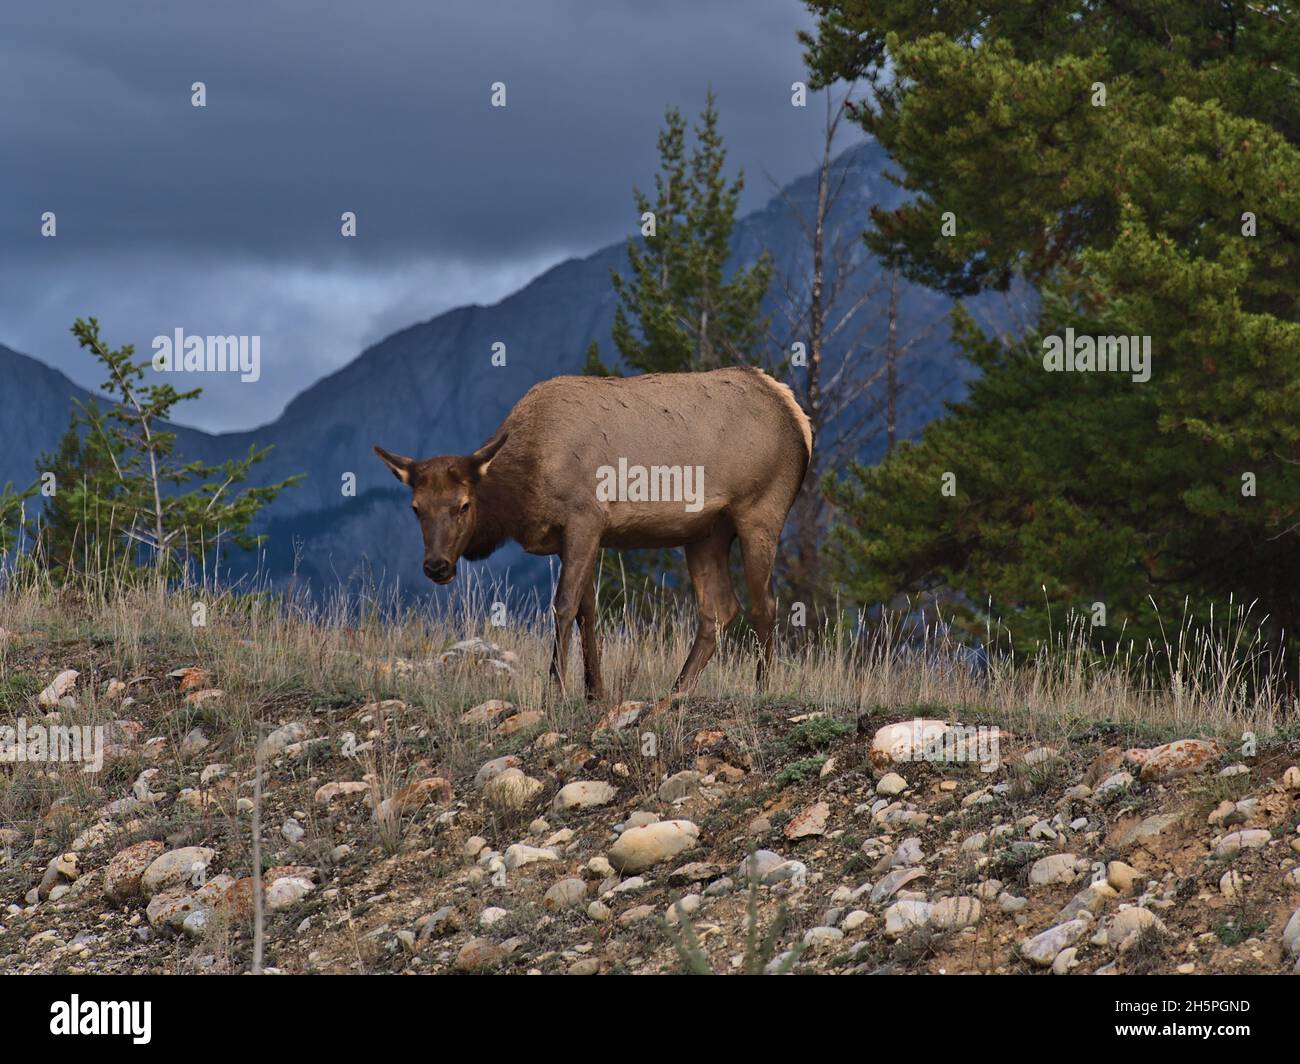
(582,463)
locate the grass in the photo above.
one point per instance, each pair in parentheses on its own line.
(279,658)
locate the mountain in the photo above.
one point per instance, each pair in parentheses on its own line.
(432,389)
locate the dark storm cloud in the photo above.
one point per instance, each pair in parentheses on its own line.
(168,213)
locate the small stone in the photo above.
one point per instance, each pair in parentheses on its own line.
(512,790)
(681,785)
(565,894)
(810,821)
(176,867)
(583,794)
(1232,844)
(891,785)
(1056,868)
(286,892)
(1122,876)
(122,876)
(1044,948)
(640,848)
(518,855)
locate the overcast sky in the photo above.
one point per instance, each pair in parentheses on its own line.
(225,219)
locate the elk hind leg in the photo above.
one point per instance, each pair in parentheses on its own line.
(709,563)
(758,551)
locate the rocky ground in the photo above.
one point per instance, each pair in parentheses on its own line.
(500,840)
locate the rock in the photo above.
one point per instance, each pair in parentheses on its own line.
(635,915)
(194,743)
(124,871)
(952,914)
(478,954)
(1115,784)
(905,916)
(1231,884)
(1122,876)
(685,906)
(327,793)
(512,790)
(1145,831)
(891,784)
(856,919)
(1291,934)
(909,853)
(1044,948)
(1291,778)
(793,872)
(276,742)
(519,855)
(583,794)
(1092,899)
(681,785)
(811,821)
(586,966)
(599,911)
(1232,844)
(518,722)
(1179,758)
(565,894)
(208,694)
(894,881)
(58,688)
(492,915)
(494,768)
(1065,960)
(758,864)
(621,716)
(639,819)
(1123,929)
(640,848)
(1056,868)
(1009,903)
(175,868)
(905,741)
(695,872)
(286,892)
(486,713)
(431,791)
(293,831)
(169,908)
(821,938)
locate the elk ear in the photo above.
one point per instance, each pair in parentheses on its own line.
(400,466)
(482,458)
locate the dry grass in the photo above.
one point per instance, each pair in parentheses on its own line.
(274,657)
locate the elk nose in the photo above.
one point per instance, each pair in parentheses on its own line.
(438,570)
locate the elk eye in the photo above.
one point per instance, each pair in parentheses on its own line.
(464,507)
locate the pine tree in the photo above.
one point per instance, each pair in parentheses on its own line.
(1140,165)
(122,495)
(679,310)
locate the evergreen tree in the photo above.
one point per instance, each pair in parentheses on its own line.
(678,310)
(122,494)
(1140,165)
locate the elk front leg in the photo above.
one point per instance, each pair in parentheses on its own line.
(577,565)
(590,644)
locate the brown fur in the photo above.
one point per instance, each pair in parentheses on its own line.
(535,482)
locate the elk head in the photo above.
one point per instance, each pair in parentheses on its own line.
(444,498)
